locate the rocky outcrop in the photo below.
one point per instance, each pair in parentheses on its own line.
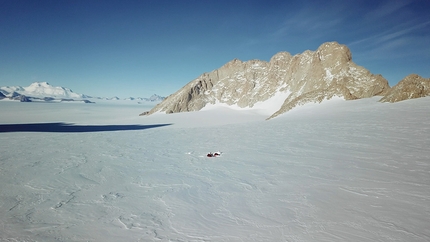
(24,99)
(412,86)
(308,77)
(14,96)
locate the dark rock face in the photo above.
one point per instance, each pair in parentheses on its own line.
(24,98)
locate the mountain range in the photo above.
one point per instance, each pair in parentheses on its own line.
(309,77)
(279,85)
(46,92)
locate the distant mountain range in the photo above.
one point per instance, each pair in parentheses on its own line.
(309,77)
(43,91)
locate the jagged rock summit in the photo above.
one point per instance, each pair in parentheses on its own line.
(308,77)
(412,86)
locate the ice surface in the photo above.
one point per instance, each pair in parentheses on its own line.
(336,171)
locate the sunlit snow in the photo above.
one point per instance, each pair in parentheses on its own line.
(336,171)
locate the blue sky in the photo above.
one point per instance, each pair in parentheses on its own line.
(138,48)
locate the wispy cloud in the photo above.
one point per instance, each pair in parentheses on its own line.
(399,48)
(390,29)
(305,24)
(309,25)
(386,9)
(392,34)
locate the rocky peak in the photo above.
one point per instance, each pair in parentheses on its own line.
(308,77)
(281,57)
(412,86)
(340,52)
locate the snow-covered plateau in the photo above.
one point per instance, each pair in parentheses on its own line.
(336,171)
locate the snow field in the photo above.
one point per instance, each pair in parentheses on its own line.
(337,171)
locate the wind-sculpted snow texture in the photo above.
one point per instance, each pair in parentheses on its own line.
(334,171)
(308,77)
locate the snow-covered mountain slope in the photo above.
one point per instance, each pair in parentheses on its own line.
(9,91)
(42,90)
(154,98)
(308,77)
(337,171)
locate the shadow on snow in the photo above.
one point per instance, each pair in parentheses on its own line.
(71,128)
